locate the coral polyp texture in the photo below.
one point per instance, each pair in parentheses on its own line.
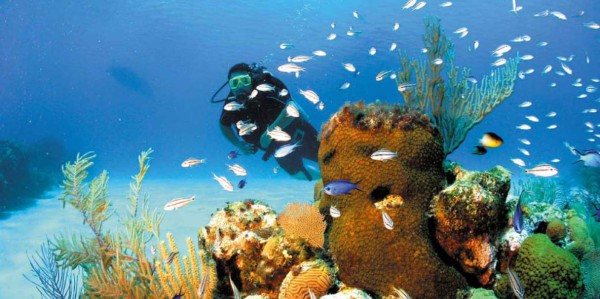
(369,255)
(548,271)
(247,244)
(468,217)
(303,220)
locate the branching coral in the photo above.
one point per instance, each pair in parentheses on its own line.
(54,281)
(458,105)
(195,280)
(115,263)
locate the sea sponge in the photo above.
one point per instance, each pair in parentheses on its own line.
(548,271)
(315,276)
(369,256)
(556,230)
(468,217)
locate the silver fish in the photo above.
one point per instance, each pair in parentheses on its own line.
(284,92)
(319,53)
(559,15)
(225,184)
(524,151)
(191,162)
(265,87)
(202,286)
(393,47)
(532,118)
(420,5)
(292,111)
(247,129)
(236,292)
(285,46)
(233,106)
(177,203)
(285,150)
(499,62)
(171,257)
(402,294)
(551,114)
(525,141)
(253,94)
(404,86)
(547,69)
(237,169)
(387,221)
(438,61)
(344,86)
(311,294)
(542,170)
(290,68)
(409,4)
(566,68)
(524,127)
(515,284)
(552,127)
(381,75)
(518,162)
(525,104)
(446,4)
(349,67)
(501,50)
(331,36)
(526,57)
(396,26)
(278,134)
(299,59)
(592,25)
(310,95)
(383,155)
(334,212)
(372,51)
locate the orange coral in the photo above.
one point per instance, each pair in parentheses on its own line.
(315,276)
(304,221)
(368,255)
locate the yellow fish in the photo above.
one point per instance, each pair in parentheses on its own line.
(490,139)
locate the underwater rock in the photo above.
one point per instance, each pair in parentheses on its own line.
(247,244)
(548,271)
(581,242)
(468,217)
(315,276)
(368,255)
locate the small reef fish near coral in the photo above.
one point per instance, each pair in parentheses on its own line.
(542,170)
(177,203)
(191,162)
(340,187)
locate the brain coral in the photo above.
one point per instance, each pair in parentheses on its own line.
(368,255)
(315,276)
(548,271)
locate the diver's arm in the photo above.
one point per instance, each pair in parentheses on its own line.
(245,147)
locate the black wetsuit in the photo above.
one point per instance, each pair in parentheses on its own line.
(263,110)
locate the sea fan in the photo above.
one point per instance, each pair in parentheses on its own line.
(304,221)
(53,281)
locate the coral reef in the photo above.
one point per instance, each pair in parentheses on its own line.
(581,243)
(476,294)
(455,106)
(305,221)
(247,243)
(468,217)
(315,276)
(548,271)
(25,173)
(368,255)
(590,269)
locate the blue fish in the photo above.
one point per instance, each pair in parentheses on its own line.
(242,183)
(518,216)
(340,187)
(178,295)
(233,154)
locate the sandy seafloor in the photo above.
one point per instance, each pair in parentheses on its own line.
(26,230)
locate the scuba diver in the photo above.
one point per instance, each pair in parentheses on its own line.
(259,113)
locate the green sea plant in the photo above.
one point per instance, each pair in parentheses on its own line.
(114,262)
(454,103)
(51,280)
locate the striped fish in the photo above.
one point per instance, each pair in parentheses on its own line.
(225,184)
(402,294)
(515,284)
(292,111)
(334,212)
(278,134)
(202,287)
(383,155)
(237,169)
(177,203)
(311,294)
(387,221)
(236,292)
(171,256)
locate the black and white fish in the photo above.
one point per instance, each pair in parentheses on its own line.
(334,212)
(225,184)
(177,203)
(285,150)
(383,155)
(515,284)
(542,170)
(387,220)
(237,169)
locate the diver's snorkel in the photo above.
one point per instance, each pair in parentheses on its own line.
(212,99)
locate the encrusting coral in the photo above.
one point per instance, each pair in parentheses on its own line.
(581,243)
(458,105)
(590,269)
(368,255)
(469,216)
(247,244)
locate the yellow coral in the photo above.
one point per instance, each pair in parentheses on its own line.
(304,221)
(315,276)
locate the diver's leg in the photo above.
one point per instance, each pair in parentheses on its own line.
(293,165)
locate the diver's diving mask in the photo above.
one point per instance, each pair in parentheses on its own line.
(240,81)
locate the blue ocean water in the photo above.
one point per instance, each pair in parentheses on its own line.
(118,77)
(58,57)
